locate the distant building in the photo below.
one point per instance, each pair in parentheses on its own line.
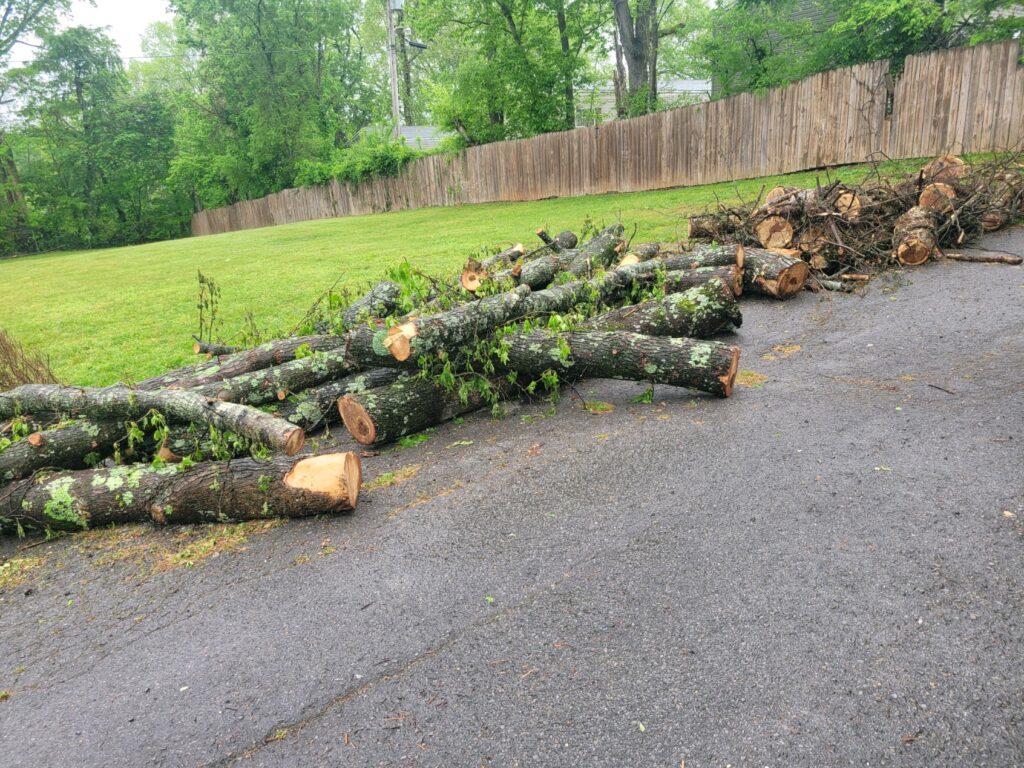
(598,105)
(423,136)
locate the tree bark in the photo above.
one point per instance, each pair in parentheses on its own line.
(914,238)
(245,489)
(405,407)
(380,301)
(682,279)
(698,313)
(704,365)
(597,253)
(258,358)
(714,226)
(121,403)
(640,252)
(66,447)
(210,349)
(773,274)
(937,197)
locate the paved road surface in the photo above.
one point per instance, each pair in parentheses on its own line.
(823,570)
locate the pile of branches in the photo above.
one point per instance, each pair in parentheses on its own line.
(217,440)
(840,229)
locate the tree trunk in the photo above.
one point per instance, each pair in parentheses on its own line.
(408,406)
(682,279)
(914,238)
(258,358)
(705,365)
(637,47)
(698,313)
(67,447)
(773,274)
(122,403)
(381,301)
(597,253)
(712,256)
(245,489)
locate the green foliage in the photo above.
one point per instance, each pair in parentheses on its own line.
(373,155)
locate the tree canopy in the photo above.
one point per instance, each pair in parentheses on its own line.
(236,99)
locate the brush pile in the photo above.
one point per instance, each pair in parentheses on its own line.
(218,440)
(839,229)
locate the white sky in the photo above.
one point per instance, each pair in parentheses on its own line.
(127,20)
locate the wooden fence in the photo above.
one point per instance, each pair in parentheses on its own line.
(959,100)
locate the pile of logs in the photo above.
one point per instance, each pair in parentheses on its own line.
(839,229)
(219,439)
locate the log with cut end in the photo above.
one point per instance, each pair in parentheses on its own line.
(848,204)
(708,366)
(210,349)
(774,231)
(122,403)
(914,239)
(715,226)
(938,197)
(380,301)
(405,407)
(682,279)
(475,272)
(698,313)
(773,274)
(70,446)
(240,490)
(641,252)
(947,169)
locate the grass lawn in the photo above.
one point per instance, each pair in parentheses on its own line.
(123,314)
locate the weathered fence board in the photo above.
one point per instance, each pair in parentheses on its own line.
(960,100)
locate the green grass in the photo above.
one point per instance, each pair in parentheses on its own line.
(124,314)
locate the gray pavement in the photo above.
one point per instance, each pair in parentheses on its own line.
(824,570)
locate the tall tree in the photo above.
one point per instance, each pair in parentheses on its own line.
(277,82)
(19,19)
(639,31)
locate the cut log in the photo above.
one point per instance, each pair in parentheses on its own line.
(947,169)
(564,241)
(408,406)
(816,244)
(994,219)
(503,259)
(774,231)
(203,493)
(714,226)
(641,252)
(848,204)
(317,406)
(774,274)
(683,279)
(475,272)
(255,359)
(598,253)
(703,365)
(210,349)
(71,446)
(698,313)
(121,403)
(938,197)
(380,301)
(914,238)
(709,256)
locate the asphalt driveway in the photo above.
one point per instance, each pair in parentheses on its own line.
(824,570)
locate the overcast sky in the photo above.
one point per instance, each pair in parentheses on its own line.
(127,19)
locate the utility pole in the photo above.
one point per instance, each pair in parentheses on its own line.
(393,65)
